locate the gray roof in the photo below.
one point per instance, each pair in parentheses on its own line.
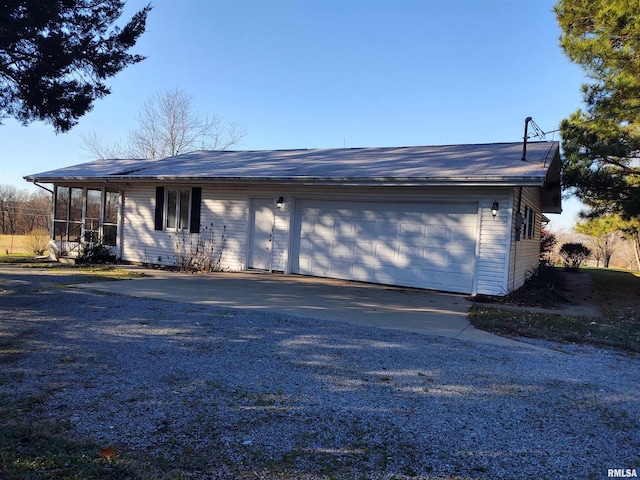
(496,163)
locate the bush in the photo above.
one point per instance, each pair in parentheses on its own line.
(37,241)
(201,253)
(548,241)
(95,253)
(573,254)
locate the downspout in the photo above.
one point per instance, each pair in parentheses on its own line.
(52,252)
(518,228)
(42,187)
(53,206)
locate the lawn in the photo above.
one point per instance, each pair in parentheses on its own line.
(13,244)
(17,245)
(617,293)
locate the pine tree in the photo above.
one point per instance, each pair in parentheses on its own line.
(601,143)
(55,56)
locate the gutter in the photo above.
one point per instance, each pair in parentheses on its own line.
(308,181)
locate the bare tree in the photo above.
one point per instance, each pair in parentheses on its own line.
(624,255)
(37,211)
(97,149)
(21,211)
(169,125)
(604,235)
(10,200)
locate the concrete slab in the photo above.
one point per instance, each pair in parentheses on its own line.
(408,309)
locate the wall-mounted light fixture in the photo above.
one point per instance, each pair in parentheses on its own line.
(494,208)
(280,203)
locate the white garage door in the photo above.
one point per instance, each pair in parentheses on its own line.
(417,245)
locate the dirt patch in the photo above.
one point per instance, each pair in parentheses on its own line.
(554,291)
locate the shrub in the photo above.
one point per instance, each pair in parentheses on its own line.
(548,240)
(95,253)
(37,241)
(202,252)
(573,254)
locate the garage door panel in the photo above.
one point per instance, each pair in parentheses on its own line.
(321,266)
(410,276)
(362,272)
(314,244)
(435,256)
(411,231)
(388,228)
(366,228)
(344,227)
(437,233)
(385,275)
(412,254)
(434,278)
(341,269)
(385,252)
(306,228)
(343,248)
(461,257)
(457,281)
(421,245)
(363,249)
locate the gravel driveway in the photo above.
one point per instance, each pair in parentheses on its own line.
(219,393)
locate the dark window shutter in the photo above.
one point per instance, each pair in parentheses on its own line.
(159,207)
(196,199)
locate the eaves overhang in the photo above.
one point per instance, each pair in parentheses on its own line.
(317,181)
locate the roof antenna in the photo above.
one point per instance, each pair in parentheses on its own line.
(524,145)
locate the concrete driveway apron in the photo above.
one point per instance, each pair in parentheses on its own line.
(415,310)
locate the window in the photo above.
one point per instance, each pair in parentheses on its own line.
(92,216)
(110,217)
(177,215)
(86,215)
(67,224)
(529,223)
(178,209)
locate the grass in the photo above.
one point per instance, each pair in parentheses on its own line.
(88,273)
(15,245)
(91,273)
(45,449)
(617,293)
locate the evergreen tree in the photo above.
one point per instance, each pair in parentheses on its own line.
(55,56)
(601,143)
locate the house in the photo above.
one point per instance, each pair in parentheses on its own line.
(458,218)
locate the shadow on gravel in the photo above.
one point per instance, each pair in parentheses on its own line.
(191,390)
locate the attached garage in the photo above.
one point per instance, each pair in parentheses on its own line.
(426,245)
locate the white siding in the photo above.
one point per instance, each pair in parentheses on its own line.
(525,253)
(140,242)
(491,273)
(225,215)
(501,264)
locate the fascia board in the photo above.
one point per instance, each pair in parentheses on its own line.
(463,181)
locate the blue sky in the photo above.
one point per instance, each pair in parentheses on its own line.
(334,73)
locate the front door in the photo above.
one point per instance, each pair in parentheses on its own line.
(261,232)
